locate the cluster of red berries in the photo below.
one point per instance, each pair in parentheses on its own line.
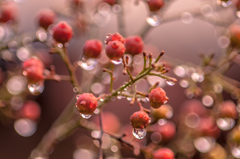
(33,70)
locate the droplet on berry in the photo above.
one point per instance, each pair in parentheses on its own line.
(36,88)
(139,133)
(153,19)
(88,64)
(85,116)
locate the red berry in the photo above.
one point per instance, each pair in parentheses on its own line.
(92,48)
(157,97)
(167,131)
(155,5)
(193,106)
(33,70)
(31,110)
(8,11)
(62,32)
(45,17)
(86,103)
(110,2)
(139,119)
(163,153)
(134,45)
(208,127)
(77,3)
(228,110)
(114,37)
(115,50)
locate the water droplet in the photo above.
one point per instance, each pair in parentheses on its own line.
(179,71)
(186,18)
(149,121)
(25,127)
(223,42)
(77,96)
(129,98)
(75,89)
(162,121)
(41,34)
(225,123)
(170,82)
(114,148)
(192,120)
(88,64)
(206,10)
(207,101)
(104,9)
(16,85)
(117,62)
(97,111)
(97,88)
(156,137)
(23,54)
(204,144)
(236,151)
(119,97)
(165,101)
(153,79)
(59,45)
(85,116)
(139,133)
(184,83)
(224,3)
(116,8)
(195,77)
(36,88)
(153,19)
(145,99)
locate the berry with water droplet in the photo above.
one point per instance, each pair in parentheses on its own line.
(114,37)
(139,119)
(62,32)
(134,45)
(115,50)
(110,2)
(157,97)
(8,11)
(45,18)
(92,48)
(86,103)
(228,110)
(33,70)
(30,110)
(163,153)
(155,5)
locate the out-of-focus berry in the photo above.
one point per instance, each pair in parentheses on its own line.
(110,2)
(8,11)
(114,37)
(92,48)
(115,50)
(86,103)
(167,131)
(208,127)
(157,97)
(193,106)
(234,31)
(165,111)
(62,32)
(139,119)
(228,110)
(155,5)
(45,17)
(163,153)
(235,134)
(134,45)
(30,110)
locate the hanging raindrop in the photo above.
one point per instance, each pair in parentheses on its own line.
(139,133)
(117,62)
(88,64)
(85,116)
(170,82)
(224,3)
(153,19)
(36,88)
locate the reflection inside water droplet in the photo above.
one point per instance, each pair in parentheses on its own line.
(117,62)
(36,88)
(85,116)
(88,64)
(139,133)
(153,19)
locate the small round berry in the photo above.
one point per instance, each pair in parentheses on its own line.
(32,62)
(157,97)
(167,131)
(86,103)
(234,31)
(92,48)
(139,119)
(45,18)
(208,127)
(8,11)
(62,32)
(193,106)
(114,37)
(163,153)
(115,50)
(110,2)
(30,110)
(134,45)
(228,110)
(155,5)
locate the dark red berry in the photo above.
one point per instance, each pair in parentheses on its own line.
(110,2)
(86,103)
(115,50)
(33,70)
(46,17)
(62,32)
(114,37)
(155,5)
(92,48)
(157,97)
(134,45)
(163,153)
(8,11)
(228,110)
(31,110)
(139,119)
